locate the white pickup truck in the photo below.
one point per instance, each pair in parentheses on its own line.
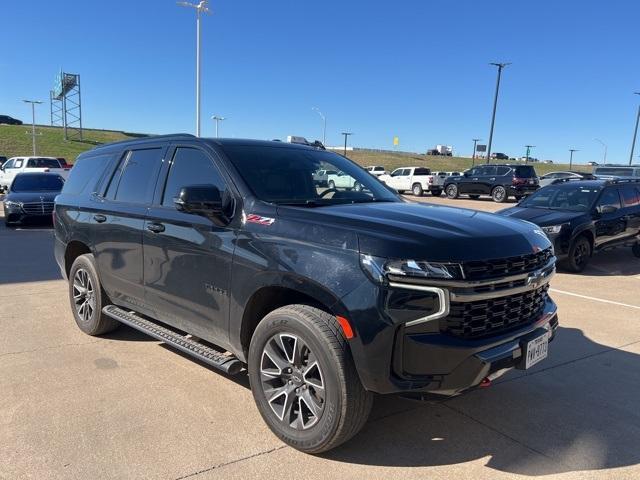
(415,179)
(17,165)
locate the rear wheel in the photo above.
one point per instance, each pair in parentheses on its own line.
(499,194)
(452,191)
(417,189)
(579,254)
(304,381)
(88,298)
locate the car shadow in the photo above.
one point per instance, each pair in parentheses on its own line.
(616,262)
(581,415)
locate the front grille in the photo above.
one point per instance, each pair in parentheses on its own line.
(38,208)
(479,270)
(471,320)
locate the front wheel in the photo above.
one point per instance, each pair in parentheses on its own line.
(452,191)
(304,381)
(499,194)
(579,254)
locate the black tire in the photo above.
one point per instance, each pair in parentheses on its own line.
(452,191)
(347,401)
(499,194)
(474,197)
(416,189)
(579,254)
(87,298)
(436,193)
(636,250)
(331,184)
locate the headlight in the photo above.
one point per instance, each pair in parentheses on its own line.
(552,229)
(380,269)
(12,204)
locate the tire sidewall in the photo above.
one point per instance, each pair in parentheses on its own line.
(496,198)
(452,191)
(86,262)
(417,190)
(570,261)
(324,430)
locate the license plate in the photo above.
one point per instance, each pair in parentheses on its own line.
(536,350)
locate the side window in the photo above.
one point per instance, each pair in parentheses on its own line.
(136,181)
(9,164)
(396,173)
(502,170)
(422,171)
(190,166)
(86,170)
(610,197)
(487,171)
(18,163)
(629,196)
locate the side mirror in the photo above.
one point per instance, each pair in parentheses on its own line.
(603,209)
(202,200)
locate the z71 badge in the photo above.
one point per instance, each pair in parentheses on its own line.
(251,218)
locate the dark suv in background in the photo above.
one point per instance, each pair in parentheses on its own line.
(498,181)
(229,251)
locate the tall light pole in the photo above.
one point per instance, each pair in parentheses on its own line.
(495,105)
(324,127)
(346,135)
(473,157)
(528,147)
(201,7)
(635,133)
(604,158)
(571,150)
(33,121)
(217,119)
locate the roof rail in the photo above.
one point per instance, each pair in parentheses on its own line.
(623,180)
(146,138)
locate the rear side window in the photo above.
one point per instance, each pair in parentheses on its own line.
(525,172)
(486,171)
(85,173)
(502,170)
(609,198)
(190,166)
(629,196)
(137,178)
(422,171)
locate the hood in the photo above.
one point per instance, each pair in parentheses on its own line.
(421,231)
(541,216)
(25,197)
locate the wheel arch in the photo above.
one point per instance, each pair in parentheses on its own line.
(73,250)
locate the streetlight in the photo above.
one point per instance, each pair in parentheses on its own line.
(324,128)
(571,150)
(604,160)
(217,119)
(528,147)
(495,105)
(473,157)
(346,135)
(635,133)
(201,7)
(33,121)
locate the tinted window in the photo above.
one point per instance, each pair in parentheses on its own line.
(525,172)
(610,198)
(9,164)
(487,171)
(85,170)
(422,171)
(571,197)
(621,172)
(43,163)
(629,196)
(137,179)
(190,167)
(37,183)
(502,170)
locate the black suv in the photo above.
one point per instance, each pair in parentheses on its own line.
(498,181)
(581,217)
(228,251)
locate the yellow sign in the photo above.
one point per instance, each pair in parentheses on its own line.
(396,141)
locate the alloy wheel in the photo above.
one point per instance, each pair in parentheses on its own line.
(580,254)
(84,297)
(292,381)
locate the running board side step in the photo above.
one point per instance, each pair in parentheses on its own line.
(227,363)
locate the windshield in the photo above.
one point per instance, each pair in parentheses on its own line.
(37,183)
(622,172)
(285,175)
(574,198)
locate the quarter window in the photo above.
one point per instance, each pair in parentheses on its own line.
(85,169)
(610,198)
(190,166)
(629,196)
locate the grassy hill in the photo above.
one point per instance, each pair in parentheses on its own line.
(14,141)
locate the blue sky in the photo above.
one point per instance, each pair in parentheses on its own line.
(415,68)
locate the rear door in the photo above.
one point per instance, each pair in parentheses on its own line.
(187,258)
(117,220)
(610,227)
(631,209)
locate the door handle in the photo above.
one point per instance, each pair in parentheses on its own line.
(100,218)
(155,227)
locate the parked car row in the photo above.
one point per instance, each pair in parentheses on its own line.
(17,165)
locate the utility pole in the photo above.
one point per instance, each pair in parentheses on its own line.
(200,7)
(529,147)
(324,127)
(604,158)
(217,119)
(571,150)
(473,157)
(33,121)
(495,105)
(346,135)
(635,133)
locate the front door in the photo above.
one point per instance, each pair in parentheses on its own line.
(469,180)
(187,258)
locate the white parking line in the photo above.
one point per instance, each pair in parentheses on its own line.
(595,298)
